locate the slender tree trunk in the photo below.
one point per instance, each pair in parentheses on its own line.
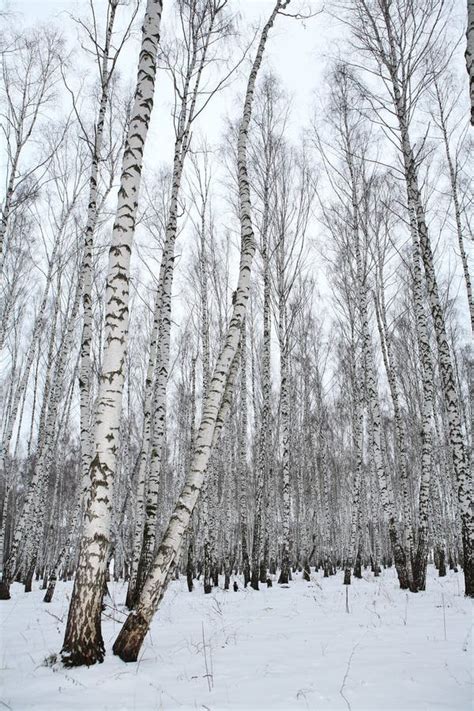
(421,556)
(85,373)
(258,557)
(399,433)
(243,469)
(285,437)
(357,427)
(83,642)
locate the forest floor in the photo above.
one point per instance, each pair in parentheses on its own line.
(279,648)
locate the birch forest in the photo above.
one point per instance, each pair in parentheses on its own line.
(236,354)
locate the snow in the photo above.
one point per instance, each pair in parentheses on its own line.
(279,648)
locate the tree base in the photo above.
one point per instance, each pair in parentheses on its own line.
(84,657)
(189,581)
(4,590)
(358,567)
(128,644)
(255,579)
(246,572)
(307,572)
(29,581)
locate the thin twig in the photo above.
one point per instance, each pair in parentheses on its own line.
(341,690)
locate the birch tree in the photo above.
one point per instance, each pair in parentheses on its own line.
(106,61)
(83,642)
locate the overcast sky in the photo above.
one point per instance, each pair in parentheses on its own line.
(297,51)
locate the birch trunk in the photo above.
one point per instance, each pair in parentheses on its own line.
(83,642)
(63,554)
(427,373)
(285,434)
(45,456)
(85,373)
(145,453)
(388,360)
(258,558)
(208,486)
(26,524)
(243,468)
(358,435)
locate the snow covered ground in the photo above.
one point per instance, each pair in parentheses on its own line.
(280,648)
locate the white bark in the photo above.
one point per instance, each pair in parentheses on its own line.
(83,640)
(85,375)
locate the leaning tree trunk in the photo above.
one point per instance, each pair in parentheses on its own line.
(145,452)
(130,639)
(83,642)
(458,452)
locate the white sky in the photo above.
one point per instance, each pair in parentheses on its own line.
(296,51)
